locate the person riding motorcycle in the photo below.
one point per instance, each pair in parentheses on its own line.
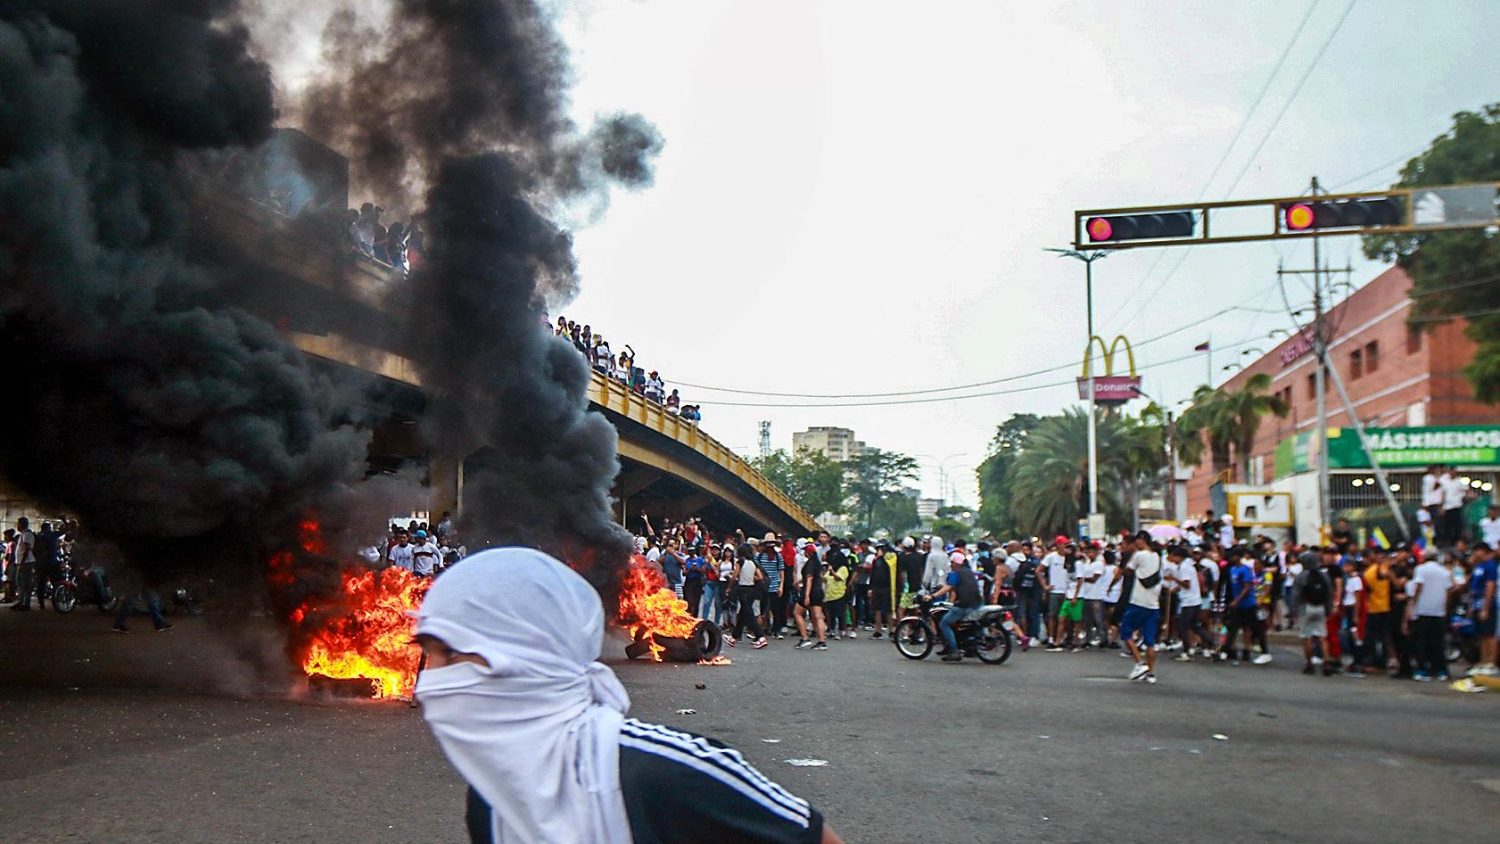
(963,585)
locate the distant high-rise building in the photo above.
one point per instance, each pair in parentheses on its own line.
(765,438)
(927,509)
(837,444)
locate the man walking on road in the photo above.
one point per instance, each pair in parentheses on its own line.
(1143,614)
(1312,592)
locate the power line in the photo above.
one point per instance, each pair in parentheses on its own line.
(936,399)
(1293,98)
(1233,142)
(1381,169)
(1258,147)
(989,383)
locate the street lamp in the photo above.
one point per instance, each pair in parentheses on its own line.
(1230,367)
(1254,350)
(1088,259)
(1278,333)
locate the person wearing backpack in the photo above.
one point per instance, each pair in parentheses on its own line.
(1311,592)
(1143,612)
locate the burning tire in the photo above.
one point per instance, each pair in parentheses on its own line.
(705,642)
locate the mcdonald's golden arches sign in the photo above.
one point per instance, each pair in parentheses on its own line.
(1109,388)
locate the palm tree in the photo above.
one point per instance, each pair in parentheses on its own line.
(1244,408)
(1050,480)
(1229,421)
(1207,419)
(1141,448)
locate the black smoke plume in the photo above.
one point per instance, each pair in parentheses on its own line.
(179,427)
(461,108)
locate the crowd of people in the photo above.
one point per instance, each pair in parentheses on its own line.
(398,246)
(621,366)
(416,547)
(1207,594)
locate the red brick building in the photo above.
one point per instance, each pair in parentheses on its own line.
(1397,377)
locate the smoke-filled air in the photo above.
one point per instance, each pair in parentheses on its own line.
(190,434)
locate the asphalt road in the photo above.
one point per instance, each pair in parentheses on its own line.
(174,738)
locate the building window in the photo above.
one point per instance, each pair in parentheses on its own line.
(1372,356)
(1413,339)
(1312,385)
(1356,364)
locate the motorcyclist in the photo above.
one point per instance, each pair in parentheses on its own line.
(963,585)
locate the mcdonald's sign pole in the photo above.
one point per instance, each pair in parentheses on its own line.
(1088,259)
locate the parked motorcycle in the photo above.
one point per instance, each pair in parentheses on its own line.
(88,586)
(986,636)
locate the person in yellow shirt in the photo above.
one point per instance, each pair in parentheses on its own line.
(1378,630)
(836,592)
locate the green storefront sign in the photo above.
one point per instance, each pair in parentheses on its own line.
(1395,448)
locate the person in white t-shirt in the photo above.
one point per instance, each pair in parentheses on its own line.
(1451,526)
(1190,604)
(1427,611)
(1143,613)
(1112,589)
(1226,530)
(426,557)
(1094,587)
(1489,528)
(1432,497)
(400,554)
(1354,646)
(1058,581)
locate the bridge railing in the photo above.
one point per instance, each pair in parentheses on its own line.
(618,398)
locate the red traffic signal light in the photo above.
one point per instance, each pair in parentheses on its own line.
(1344,214)
(1139,226)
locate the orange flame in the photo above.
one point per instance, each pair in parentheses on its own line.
(364,630)
(649,608)
(370,634)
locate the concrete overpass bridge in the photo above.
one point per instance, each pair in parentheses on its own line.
(334,306)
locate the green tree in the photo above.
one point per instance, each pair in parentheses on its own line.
(1049,484)
(1455,273)
(994,474)
(809,477)
(873,477)
(895,515)
(1229,421)
(1206,423)
(1245,407)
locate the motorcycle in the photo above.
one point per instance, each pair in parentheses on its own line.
(986,636)
(90,588)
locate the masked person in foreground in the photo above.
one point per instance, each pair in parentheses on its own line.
(517,699)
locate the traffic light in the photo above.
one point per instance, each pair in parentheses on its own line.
(1344,213)
(1139,226)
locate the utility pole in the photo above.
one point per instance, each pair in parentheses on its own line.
(1088,259)
(1171,502)
(1320,348)
(1325,370)
(765,438)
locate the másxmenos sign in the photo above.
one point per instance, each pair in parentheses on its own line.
(1461,444)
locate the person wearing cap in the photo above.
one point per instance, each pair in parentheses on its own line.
(1056,579)
(810,599)
(1313,593)
(518,701)
(426,557)
(911,563)
(768,558)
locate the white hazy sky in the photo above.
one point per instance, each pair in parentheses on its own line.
(854,196)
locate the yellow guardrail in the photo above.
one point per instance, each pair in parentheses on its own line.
(617,397)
